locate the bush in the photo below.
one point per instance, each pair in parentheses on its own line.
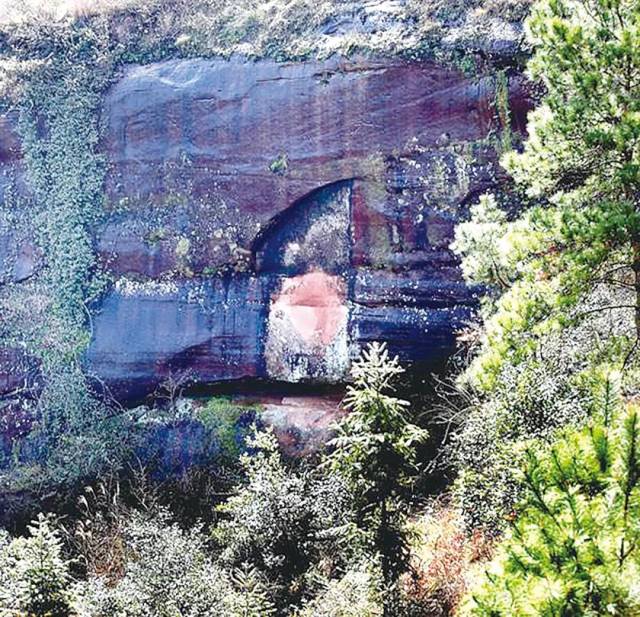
(573,548)
(352,595)
(447,560)
(280,521)
(168,572)
(229,423)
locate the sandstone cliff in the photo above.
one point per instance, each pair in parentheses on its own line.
(265,219)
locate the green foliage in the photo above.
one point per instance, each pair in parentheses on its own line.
(573,548)
(581,160)
(268,519)
(78,437)
(504,111)
(586,54)
(564,271)
(355,594)
(375,451)
(280,164)
(488,255)
(290,540)
(168,572)
(532,400)
(251,598)
(34,576)
(222,416)
(60,137)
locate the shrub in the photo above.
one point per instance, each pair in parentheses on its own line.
(251,597)
(532,399)
(354,594)
(268,521)
(447,559)
(229,422)
(281,519)
(168,572)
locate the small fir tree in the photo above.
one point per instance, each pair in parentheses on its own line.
(37,580)
(251,598)
(375,450)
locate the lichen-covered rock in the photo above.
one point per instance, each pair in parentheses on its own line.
(264,219)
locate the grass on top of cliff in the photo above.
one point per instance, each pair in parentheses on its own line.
(280,29)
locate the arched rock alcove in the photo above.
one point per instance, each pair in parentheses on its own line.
(306,250)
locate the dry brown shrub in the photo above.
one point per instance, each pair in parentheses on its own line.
(446,559)
(98,535)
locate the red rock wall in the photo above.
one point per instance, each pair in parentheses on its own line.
(222,195)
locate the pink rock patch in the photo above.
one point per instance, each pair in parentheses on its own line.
(314,304)
(302,424)
(307,333)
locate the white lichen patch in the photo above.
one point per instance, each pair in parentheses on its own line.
(129,287)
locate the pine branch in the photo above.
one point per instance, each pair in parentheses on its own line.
(630,463)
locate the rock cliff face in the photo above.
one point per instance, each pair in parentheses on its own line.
(265,220)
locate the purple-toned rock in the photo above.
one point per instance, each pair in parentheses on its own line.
(212,330)
(264,220)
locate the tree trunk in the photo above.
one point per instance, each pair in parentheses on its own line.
(636,284)
(386,575)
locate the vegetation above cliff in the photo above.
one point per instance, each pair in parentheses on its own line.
(283,30)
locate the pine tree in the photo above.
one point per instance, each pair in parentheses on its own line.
(573,547)
(581,166)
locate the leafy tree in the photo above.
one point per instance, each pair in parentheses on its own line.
(581,164)
(34,575)
(573,548)
(168,572)
(354,594)
(375,450)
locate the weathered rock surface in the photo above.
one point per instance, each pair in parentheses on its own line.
(265,220)
(302,424)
